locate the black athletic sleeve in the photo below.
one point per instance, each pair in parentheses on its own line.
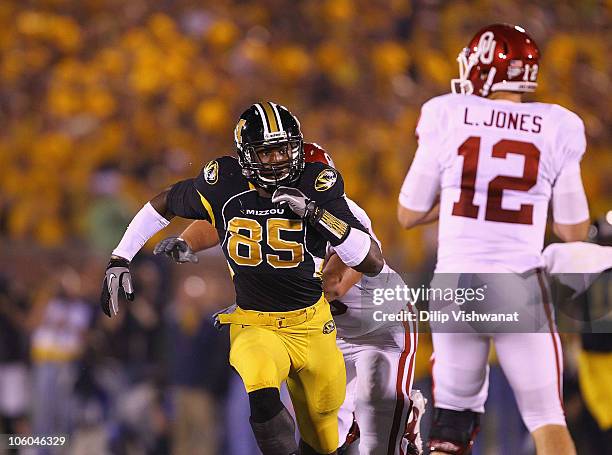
(340,209)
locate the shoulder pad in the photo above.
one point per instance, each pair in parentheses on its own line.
(220,179)
(568,119)
(325,179)
(433,117)
(222,168)
(321,182)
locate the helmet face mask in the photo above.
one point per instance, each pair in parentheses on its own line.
(500,57)
(462,84)
(273,172)
(269,128)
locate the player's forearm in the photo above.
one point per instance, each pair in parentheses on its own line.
(572,232)
(354,247)
(200,235)
(147,222)
(332,287)
(432,215)
(408,218)
(373,262)
(338,278)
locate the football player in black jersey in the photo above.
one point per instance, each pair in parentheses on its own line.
(275,214)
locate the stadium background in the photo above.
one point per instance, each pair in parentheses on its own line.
(105,102)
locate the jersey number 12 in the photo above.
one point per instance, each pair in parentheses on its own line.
(465,206)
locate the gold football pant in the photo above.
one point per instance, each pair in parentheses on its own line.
(298,347)
(595,375)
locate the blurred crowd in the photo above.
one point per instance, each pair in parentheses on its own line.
(105,102)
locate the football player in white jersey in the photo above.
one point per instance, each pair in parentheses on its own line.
(494,163)
(379,354)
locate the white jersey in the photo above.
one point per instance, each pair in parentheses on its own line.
(496,164)
(577,264)
(360,319)
(379,357)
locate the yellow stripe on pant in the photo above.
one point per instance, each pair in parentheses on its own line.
(298,347)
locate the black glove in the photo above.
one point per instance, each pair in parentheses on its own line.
(295,200)
(176,249)
(117,276)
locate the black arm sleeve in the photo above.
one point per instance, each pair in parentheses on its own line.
(184,200)
(340,209)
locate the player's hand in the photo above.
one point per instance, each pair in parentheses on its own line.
(177,249)
(117,276)
(295,200)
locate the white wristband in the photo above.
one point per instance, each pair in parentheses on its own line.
(355,247)
(145,225)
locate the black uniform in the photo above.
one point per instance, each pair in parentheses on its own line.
(275,257)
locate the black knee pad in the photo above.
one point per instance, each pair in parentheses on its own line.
(265,404)
(453,432)
(277,435)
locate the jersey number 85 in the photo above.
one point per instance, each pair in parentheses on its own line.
(249,233)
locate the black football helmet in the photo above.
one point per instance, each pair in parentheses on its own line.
(269,125)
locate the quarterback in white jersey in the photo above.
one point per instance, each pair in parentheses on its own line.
(492,221)
(495,163)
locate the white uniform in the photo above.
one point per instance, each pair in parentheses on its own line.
(496,182)
(496,165)
(379,358)
(577,264)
